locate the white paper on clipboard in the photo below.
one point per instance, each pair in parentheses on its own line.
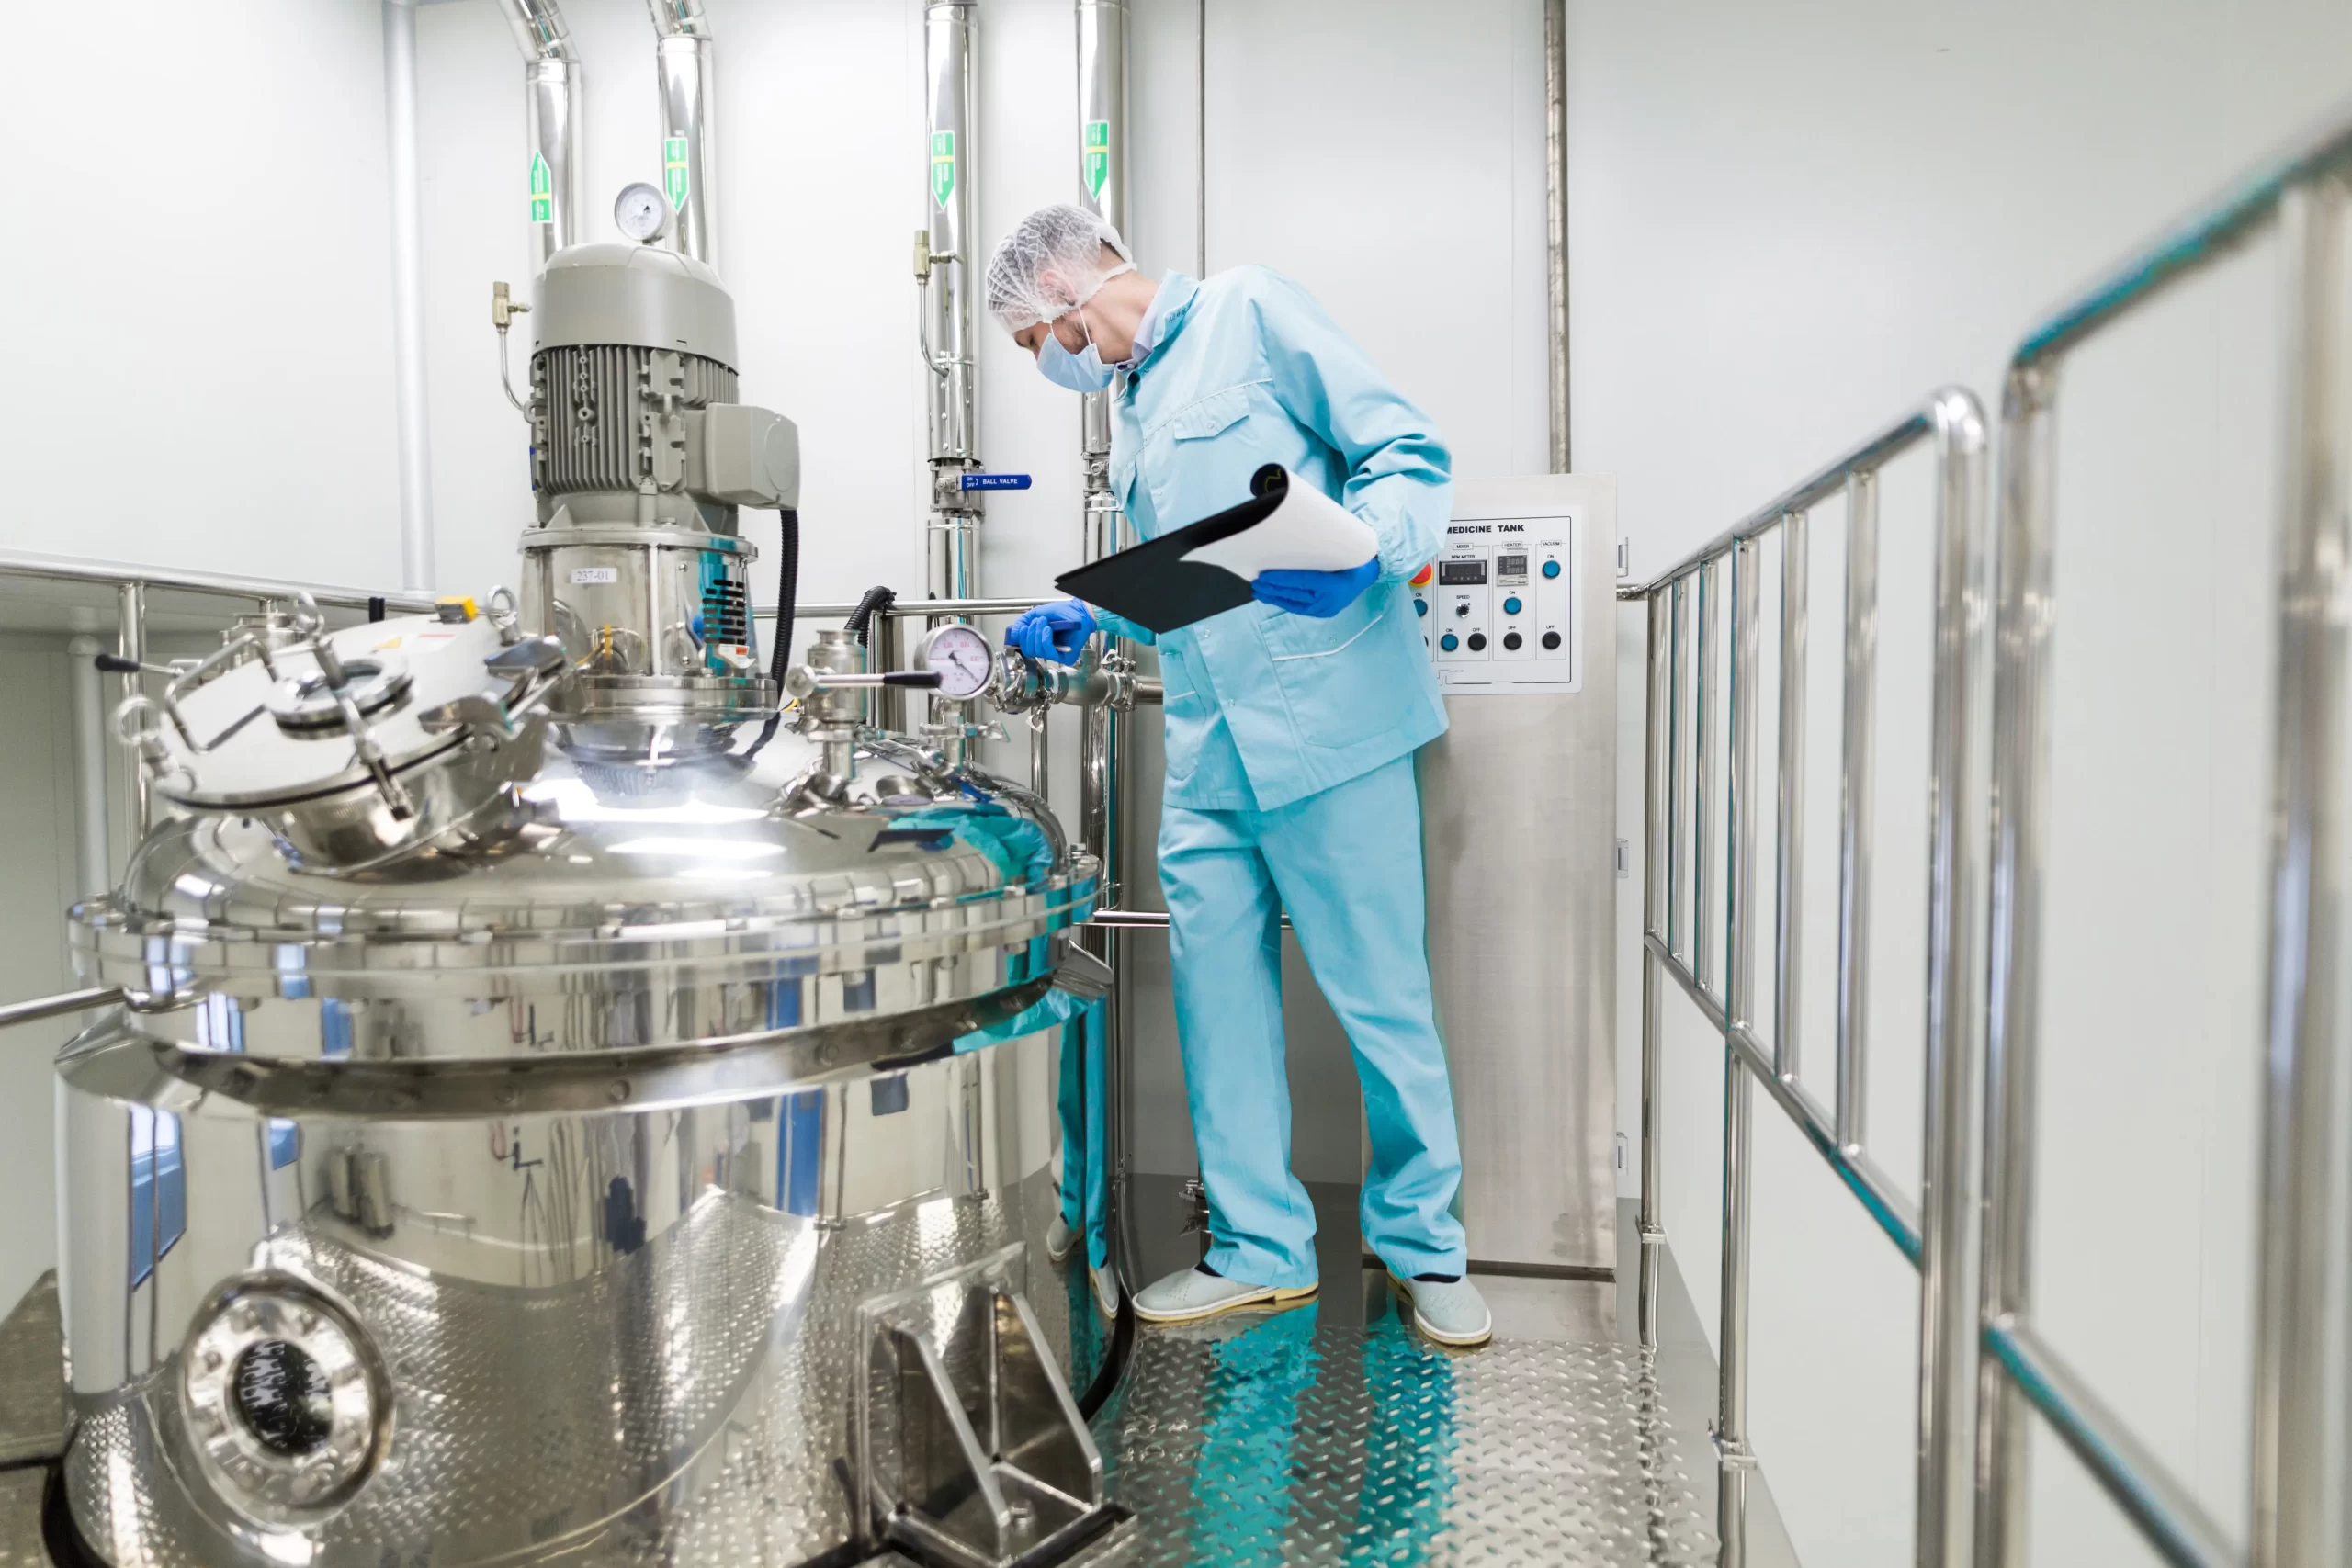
(1308,532)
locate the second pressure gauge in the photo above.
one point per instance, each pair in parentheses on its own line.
(963,659)
(641,212)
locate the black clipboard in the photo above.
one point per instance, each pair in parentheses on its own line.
(1153,585)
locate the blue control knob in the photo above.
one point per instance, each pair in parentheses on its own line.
(1551,569)
(1512,605)
(1421,606)
(1449,642)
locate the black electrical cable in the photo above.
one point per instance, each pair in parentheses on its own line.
(861,620)
(788,589)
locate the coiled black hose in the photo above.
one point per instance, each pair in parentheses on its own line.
(787,590)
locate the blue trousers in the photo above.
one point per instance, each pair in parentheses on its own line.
(1346,862)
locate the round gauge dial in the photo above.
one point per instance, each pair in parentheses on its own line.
(641,212)
(962,657)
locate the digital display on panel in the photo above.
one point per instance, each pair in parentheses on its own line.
(1511,566)
(1460,573)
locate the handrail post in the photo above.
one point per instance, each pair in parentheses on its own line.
(1955,904)
(2303,1035)
(1788,926)
(1676,764)
(1857,807)
(130,642)
(1657,876)
(1735,1457)
(2019,823)
(1702,791)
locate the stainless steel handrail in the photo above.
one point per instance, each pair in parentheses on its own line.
(2305,196)
(33,566)
(1932,1236)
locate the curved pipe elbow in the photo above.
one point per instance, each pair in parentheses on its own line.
(679,19)
(540,30)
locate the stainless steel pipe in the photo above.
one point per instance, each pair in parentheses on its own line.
(949,273)
(59,1005)
(1102,190)
(412,425)
(1555,225)
(684,74)
(556,172)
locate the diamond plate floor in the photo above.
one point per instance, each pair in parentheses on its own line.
(1273,1438)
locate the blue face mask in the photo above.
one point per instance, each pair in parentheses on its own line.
(1079,372)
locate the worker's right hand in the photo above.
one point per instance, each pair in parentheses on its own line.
(1055,632)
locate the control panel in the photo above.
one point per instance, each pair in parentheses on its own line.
(1497,608)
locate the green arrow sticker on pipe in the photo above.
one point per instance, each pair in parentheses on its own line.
(942,166)
(674,171)
(542,190)
(1098,157)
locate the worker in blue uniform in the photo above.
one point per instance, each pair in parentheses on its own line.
(1291,726)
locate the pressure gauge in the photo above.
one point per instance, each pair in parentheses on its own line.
(962,658)
(643,212)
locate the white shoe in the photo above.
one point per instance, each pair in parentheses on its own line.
(1106,1293)
(1189,1295)
(1060,1240)
(1448,1312)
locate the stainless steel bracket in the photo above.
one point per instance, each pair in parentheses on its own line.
(970,1452)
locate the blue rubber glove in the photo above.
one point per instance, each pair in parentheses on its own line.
(1321,594)
(1057,631)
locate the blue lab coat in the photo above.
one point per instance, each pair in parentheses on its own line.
(1290,779)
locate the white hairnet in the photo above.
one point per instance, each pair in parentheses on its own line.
(1064,240)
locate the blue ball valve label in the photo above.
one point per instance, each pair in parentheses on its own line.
(996,481)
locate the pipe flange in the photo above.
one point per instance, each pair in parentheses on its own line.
(285,1400)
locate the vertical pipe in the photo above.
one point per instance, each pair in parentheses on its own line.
(93,868)
(684,70)
(2019,822)
(1855,806)
(2303,1027)
(555,173)
(1788,925)
(1702,791)
(1102,172)
(1656,877)
(1955,907)
(412,433)
(1201,143)
(130,642)
(1730,1426)
(1555,221)
(1102,190)
(950,30)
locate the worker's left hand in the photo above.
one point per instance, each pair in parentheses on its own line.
(1318,594)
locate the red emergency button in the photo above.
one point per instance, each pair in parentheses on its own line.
(1421,578)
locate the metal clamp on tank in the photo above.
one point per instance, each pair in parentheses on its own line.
(1098,680)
